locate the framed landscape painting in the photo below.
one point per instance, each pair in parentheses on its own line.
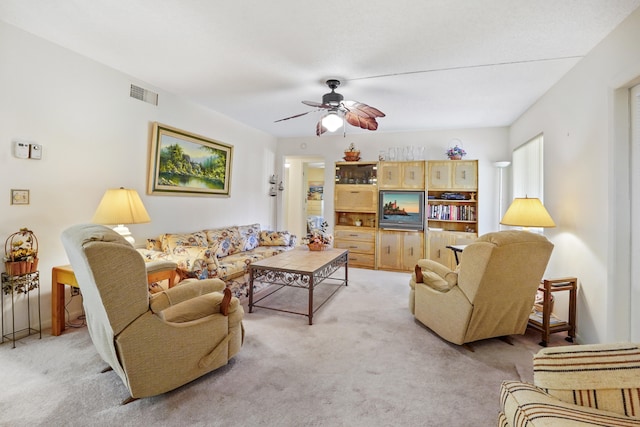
(182,163)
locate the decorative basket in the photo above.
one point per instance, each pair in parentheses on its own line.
(21,253)
(318,246)
(351,156)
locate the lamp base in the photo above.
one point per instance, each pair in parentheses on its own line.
(122,230)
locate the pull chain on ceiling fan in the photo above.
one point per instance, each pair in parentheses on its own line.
(355,113)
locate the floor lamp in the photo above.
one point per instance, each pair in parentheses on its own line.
(500,166)
(527,212)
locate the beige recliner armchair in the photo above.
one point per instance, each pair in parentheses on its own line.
(154,343)
(490,294)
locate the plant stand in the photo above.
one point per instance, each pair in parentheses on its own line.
(547,324)
(15,285)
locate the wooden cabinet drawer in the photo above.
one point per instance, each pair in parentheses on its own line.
(361,260)
(355,246)
(361,235)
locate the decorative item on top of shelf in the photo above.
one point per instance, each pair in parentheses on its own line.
(318,239)
(21,253)
(358,222)
(351,154)
(456,153)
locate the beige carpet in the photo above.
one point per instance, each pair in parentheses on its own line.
(364,362)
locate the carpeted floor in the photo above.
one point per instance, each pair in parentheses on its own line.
(364,362)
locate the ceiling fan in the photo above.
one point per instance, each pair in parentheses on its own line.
(338,110)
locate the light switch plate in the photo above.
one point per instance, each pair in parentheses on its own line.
(36,151)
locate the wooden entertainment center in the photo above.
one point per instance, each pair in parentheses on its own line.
(450,211)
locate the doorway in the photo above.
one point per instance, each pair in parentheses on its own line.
(304,196)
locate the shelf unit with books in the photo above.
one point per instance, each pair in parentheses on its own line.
(452,207)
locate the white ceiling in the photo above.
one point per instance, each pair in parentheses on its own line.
(426,63)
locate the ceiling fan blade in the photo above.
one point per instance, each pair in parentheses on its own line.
(297,115)
(316,104)
(320,129)
(354,119)
(362,110)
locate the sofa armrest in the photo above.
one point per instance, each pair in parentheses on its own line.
(525,404)
(185,290)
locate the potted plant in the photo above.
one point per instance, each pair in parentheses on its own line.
(318,239)
(21,253)
(351,154)
(456,153)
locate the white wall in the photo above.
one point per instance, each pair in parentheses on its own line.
(94,137)
(488,145)
(586,179)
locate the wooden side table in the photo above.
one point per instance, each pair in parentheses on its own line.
(545,323)
(63,275)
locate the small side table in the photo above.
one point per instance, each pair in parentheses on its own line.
(547,325)
(456,250)
(22,284)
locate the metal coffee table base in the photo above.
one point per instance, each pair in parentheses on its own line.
(299,268)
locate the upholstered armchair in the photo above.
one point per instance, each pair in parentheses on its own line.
(490,294)
(155,343)
(581,385)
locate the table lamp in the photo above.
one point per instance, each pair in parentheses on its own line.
(527,212)
(121,206)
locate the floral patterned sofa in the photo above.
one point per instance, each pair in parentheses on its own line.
(223,253)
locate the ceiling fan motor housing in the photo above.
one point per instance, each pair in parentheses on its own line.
(332,98)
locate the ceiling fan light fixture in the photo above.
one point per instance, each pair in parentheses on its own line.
(332,121)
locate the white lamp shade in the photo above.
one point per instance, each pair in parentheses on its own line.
(527,212)
(121,206)
(332,121)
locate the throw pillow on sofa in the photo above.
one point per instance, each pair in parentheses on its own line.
(250,236)
(170,242)
(275,238)
(224,241)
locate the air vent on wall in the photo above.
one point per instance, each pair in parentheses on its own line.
(143,94)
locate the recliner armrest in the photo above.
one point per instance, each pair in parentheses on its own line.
(427,265)
(197,308)
(185,290)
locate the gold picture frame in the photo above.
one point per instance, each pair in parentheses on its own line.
(19,197)
(185,164)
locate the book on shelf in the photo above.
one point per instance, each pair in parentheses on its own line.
(536,316)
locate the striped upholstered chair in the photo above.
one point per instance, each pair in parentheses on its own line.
(582,385)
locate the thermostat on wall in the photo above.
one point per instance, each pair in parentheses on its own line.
(26,150)
(21,149)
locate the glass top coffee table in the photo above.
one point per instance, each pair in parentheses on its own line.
(298,268)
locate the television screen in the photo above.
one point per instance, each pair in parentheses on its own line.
(403,210)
